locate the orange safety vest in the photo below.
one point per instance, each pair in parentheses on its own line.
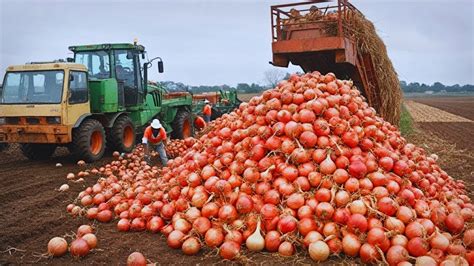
(207,109)
(152,139)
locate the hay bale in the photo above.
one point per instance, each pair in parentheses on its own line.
(386,96)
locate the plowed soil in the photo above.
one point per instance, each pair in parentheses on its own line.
(462,106)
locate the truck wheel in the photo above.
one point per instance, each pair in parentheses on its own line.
(182,125)
(37,151)
(88,141)
(122,135)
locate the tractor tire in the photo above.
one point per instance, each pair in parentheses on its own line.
(37,151)
(122,137)
(3,146)
(182,125)
(88,141)
(216,113)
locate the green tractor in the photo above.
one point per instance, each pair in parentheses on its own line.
(100,99)
(223,102)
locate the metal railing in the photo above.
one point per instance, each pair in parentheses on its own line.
(292,16)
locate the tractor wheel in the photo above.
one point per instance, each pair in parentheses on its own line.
(88,141)
(182,125)
(3,146)
(37,151)
(122,135)
(216,113)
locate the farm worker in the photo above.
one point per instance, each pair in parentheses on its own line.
(155,135)
(207,111)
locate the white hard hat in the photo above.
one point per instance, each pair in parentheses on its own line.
(156,124)
(206,101)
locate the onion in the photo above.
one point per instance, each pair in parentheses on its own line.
(255,242)
(191,246)
(64,187)
(425,261)
(417,247)
(214,237)
(84,229)
(318,251)
(123,225)
(468,238)
(91,240)
(368,253)
(396,254)
(286,249)
(454,222)
(272,241)
(104,216)
(175,239)
(57,246)
(79,248)
(229,250)
(136,259)
(327,166)
(351,244)
(439,241)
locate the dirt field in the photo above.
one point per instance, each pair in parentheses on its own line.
(462,106)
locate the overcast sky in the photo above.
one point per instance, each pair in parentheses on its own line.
(227,42)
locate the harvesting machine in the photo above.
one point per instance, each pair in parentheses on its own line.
(101,98)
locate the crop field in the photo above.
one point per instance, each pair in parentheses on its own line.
(33,210)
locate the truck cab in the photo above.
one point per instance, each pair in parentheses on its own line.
(40,104)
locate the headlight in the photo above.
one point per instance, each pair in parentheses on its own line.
(53,120)
(3,120)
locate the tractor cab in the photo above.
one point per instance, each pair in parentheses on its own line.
(116,63)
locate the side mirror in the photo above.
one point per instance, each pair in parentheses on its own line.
(143,55)
(70,60)
(160,66)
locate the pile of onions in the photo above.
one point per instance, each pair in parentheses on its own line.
(175,147)
(306,165)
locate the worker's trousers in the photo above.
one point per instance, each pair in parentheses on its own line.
(207,118)
(160,148)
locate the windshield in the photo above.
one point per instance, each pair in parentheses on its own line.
(33,87)
(97,63)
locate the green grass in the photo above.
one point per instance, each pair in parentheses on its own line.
(406,122)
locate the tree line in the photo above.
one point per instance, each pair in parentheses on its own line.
(435,87)
(256,88)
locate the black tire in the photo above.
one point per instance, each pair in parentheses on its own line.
(37,151)
(85,141)
(122,135)
(3,146)
(216,113)
(183,116)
